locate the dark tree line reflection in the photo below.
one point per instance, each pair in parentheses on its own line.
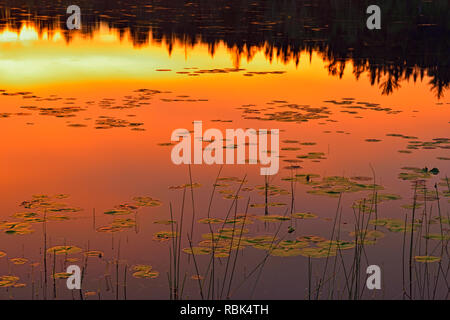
(413,41)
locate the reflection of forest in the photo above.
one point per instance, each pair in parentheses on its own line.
(413,41)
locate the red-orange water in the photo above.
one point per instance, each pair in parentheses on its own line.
(103,168)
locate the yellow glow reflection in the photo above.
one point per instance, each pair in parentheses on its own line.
(28,57)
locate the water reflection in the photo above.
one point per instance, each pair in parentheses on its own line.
(87,176)
(411,45)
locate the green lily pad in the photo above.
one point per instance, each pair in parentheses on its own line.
(336,244)
(164,235)
(62,275)
(273,218)
(197,250)
(8,281)
(427,259)
(210,220)
(19,261)
(146,274)
(437,236)
(64,250)
(318,252)
(304,215)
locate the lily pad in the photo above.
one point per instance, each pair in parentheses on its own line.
(304,215)
(427,259)
(64,250)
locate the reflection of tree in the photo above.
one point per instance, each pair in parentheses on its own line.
(413,42)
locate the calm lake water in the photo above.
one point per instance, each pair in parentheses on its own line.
(87,115)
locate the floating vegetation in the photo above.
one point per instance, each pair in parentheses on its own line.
(232,197)
(394,225)
(64,250)
(412,206)
(197,250)
(42,204)
(225,233)
(61,275)
(443,220)
(144,272)
(372,140)
(184,186)
(313,156)
(107,122)
(306,178)
(94,253)
(273,218)
(270,204)
(108,229)
(25,215)
(361,105)
(239,220)
(123,223)
(147,202)
(118,212)
(211,220)
(334,185)
(399,135)
(336,244)
(304,215)
(311,239)
(271,190)
(366,205)
(437,143)
(8,281)
(427,259)
(19,261)
(58,112)
(164,235)
(139,202)
(414,173)
(437,236)
(251,241)
(295,113)
(16,228)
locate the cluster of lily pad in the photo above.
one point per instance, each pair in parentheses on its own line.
(332,186)
(415,173)
(291,112)
(352,104)
(120,224)
(142,271)
(396,225)
(40,208)
(367,205)
(108,122)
